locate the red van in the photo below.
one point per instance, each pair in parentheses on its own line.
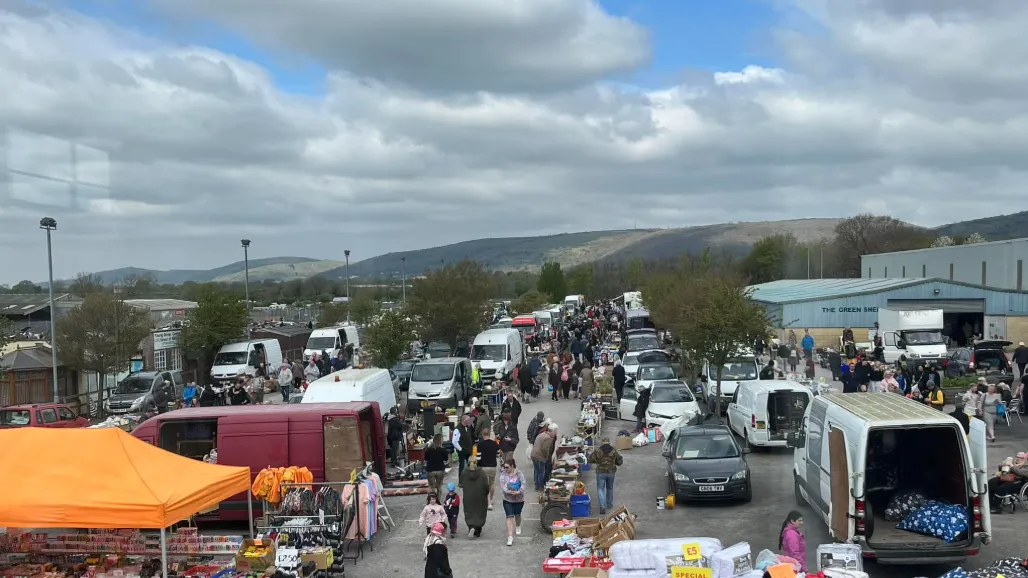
(528,325)
(329,439)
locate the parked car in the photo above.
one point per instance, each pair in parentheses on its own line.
(136,393)
(40,415)
(669,400)
(704,462)
(985,358)
(633,359)
(649,373)
(403,369)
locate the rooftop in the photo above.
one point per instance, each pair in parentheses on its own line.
(161,304)
(21,305)
(875,407)
(28,359)
(965,247)
(798,290)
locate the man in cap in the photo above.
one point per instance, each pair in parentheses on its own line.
(534,426)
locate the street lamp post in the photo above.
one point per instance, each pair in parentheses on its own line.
(403,277)
(50,224)
(246,280)
(346,271)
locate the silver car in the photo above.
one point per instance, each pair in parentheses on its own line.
(634,359)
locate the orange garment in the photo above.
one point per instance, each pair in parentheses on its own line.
(268,483)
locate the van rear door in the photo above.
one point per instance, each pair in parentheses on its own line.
(841,525)
(979,477)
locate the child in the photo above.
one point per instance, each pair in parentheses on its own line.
(432,514)
(452,504)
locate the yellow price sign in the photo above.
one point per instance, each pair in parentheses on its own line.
(690,572)
(691,552)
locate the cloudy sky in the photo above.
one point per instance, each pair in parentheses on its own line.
(160,132)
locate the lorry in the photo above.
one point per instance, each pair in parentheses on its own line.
(914,333)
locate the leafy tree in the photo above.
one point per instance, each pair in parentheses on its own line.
(711,315)
(219,318)
(332,314)
(582,280)
(86,284)
(868,234)
(26,288)
(138,286)
(973,238)
(451,302)
(551,281)
(101,335)
(363,309)
(943,241)
(530,302)
(6,332)
(636,273)
(389,337)
(768,260)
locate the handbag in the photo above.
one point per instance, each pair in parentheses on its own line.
(1001,410)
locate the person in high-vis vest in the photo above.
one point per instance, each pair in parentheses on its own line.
(476,376)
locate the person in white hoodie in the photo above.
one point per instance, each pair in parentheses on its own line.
(285,381)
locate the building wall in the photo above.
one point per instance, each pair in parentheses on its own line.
(1001,260)
(1017,328)
(824,336)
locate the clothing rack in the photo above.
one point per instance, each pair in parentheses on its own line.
(341,521)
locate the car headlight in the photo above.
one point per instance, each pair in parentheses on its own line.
(740,475)
(138,402)
(911,354)
(681,477)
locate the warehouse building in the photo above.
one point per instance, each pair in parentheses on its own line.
(827,306)
(998,264)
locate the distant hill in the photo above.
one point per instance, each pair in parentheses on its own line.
(569,249)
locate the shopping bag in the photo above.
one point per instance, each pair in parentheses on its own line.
(1001,410)
(653,435)
(640,440)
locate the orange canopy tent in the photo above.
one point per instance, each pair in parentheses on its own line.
(103,478)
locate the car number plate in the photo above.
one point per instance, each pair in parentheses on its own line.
(712,488)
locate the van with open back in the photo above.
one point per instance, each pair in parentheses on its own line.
(859,450)
(763,413)
(329,439)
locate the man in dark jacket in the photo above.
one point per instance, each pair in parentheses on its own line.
(506,432)
(535,426)
(1020,357)
(512,406)
(394,435)
(606,459)
(464,438)
(641,405)
(768,371)
(620,378)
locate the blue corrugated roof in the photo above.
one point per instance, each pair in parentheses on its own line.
(795,290)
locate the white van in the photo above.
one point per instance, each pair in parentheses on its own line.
(574,300)
(764,412)
(441,381)
(498,352)
(743,368)
(372,385)
(857,450)
(332,340)
(245,356)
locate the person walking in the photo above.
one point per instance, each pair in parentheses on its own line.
(475,484)
(436,457)
(989,410)
(553,378)
(451,502)
(285,381)
(463,440)
(297,369)
(394,435)
(807,343)
(618,373)
(437,557)
(542,455)
(535,427)
(606,459)
(641,405)
(791,541)
(433,513)
(565,380)
(1020,358)
(506,430)
(511,405)
(512,484)
(488,451)
(587,379)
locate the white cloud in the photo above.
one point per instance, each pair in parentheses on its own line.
(489,118)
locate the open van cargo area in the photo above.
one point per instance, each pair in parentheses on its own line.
(785,411)
(927,460)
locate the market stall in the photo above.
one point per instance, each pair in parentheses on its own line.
(105,479)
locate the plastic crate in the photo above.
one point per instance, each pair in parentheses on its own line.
(580,505)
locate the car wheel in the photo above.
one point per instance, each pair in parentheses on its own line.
(671,486)
(748,496)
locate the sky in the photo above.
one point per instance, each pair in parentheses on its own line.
(158,133)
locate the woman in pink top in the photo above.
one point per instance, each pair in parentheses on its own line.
(791,541)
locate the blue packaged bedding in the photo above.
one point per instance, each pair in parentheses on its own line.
(937,519)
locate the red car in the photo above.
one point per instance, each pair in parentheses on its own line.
(40,415)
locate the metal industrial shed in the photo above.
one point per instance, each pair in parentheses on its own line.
(827,306)
(998,264)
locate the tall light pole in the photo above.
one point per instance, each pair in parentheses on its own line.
(246,280)
(346,271)
(403,277)
(50,224)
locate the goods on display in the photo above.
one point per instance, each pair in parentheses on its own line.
(585,543)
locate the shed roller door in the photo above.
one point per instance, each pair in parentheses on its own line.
(947,305)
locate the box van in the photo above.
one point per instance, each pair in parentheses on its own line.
(245,356)
(329,439)
(528,325)
(638,319)
(350,384)
(857,449)
(738,370)
(763,413)
(441,381)
(333,340)
(498,351)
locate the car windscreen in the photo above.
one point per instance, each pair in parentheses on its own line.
(923,337)
(655,372)
(676,393)
(321,343)
(740,369)
(15,417)
(404,366)
(653,357)
(715,447)
(638,342)
(432,372)
(230,358)
(135,385)
(488,353)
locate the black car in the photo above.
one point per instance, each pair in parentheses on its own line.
(403,370)
(984,358)
(705,463)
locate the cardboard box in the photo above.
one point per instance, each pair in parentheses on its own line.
(323,560)
(260,564)
(611,535)
(588,527)
(622,443)
(587,573)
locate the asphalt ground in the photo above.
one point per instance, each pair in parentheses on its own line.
(637,485)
